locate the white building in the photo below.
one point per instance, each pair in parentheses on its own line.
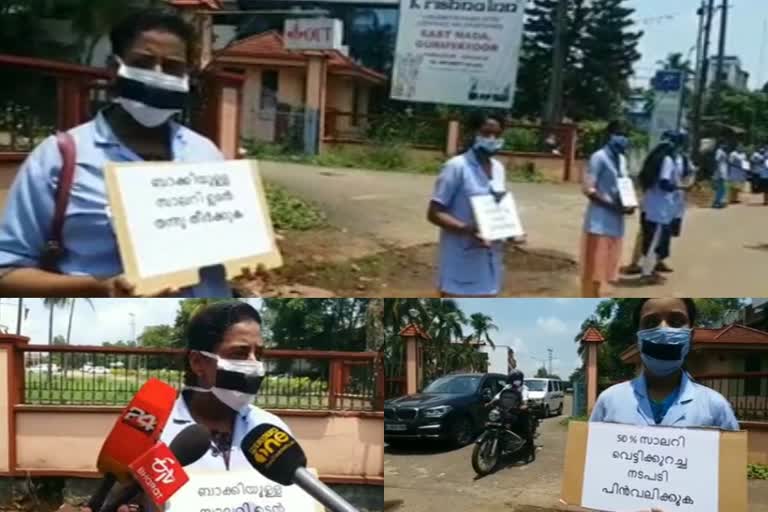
(733,73)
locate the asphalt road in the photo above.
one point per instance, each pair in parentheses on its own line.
(720,254)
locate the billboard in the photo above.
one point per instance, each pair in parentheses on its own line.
(668,102)
(312,34)
(460,52)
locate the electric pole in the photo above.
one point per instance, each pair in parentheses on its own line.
(549,350)
(702,78)
(720,53)
(553,108)
(19,314)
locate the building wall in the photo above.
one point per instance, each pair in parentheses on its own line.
(8,172)
(257,124)
(291,87)
(336,445)
(4,398)
(341,94)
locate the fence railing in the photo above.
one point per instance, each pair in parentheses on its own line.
(747,392)
(296,379)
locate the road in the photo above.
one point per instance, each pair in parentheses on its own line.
(720,254)
(436,478)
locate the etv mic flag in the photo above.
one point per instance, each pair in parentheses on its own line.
(159,473)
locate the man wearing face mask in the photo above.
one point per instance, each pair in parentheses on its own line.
(604,218)
(223,375)
(664,394)
(469,266)
(152,55)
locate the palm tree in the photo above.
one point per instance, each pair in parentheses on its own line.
(53,303)
(482,325)
(71,313)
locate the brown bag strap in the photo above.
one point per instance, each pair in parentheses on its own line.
(54,247)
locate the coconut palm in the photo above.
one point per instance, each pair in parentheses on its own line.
(52,303)
(482,325)
(71,314)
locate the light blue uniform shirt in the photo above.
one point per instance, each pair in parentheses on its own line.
(88,234)
(721,158)
(465,266)
(736,172)
(659,205)
(680,196)
(695,406)
(604,171)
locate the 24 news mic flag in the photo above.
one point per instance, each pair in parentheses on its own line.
(461,52)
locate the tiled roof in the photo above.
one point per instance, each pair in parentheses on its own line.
(414,331)
(269,45)
(592,335)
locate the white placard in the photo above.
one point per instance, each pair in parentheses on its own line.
(630,468)
(461,52)
(239,491)
(496,220)
(627,193)
(313,34)
(177,217)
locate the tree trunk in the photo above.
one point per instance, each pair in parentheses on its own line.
(50,324)
(71,313)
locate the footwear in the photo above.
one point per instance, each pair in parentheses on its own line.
(662,267)
(652,280)
(632,269)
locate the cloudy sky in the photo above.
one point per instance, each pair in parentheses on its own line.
(107,320)
(531,326)
(671,26)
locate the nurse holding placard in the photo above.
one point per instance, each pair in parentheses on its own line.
(475,214)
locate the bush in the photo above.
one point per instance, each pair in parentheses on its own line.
(521,139)
(290,212)
(757,471)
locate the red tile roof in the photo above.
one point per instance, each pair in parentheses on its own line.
(269,45)
(414,331)
(593,336)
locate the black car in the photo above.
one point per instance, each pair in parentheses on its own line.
(451,408)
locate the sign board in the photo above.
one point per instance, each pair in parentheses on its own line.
(240,491)
(460,52)
(496,220)
(312,34)
(625,468)
(172,219)
(668,102)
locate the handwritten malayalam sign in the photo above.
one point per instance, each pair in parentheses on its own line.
(239,491)
(172,219)
(497,219)
(461,52)
(313,34)
(630,468)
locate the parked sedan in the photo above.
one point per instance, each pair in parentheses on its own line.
(450,408)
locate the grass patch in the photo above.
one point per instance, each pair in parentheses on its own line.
(290,212)
(757,471)
(566,421)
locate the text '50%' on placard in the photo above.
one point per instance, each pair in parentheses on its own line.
(172,219)
(624,468)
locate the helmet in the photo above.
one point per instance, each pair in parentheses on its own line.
(515,377)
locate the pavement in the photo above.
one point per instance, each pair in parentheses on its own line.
(433,477)
(720,254)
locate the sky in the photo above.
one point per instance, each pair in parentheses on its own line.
(531,326)
(746,21)
(108,320)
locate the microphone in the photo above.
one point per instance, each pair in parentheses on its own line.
(137,429)
(158,471)
(277,455)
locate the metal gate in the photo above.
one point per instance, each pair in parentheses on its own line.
(394,369)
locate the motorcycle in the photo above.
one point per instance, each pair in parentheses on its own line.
(499,438)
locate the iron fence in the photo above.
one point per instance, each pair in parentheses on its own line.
(296,379)
(747,392)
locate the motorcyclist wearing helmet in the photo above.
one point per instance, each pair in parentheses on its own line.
(523,422)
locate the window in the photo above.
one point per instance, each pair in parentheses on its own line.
(752,384)
(268,99)
(551,386)
(355,105)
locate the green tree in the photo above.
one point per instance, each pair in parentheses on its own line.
(542,373)
(609,52)
(158,336)
(187,308)
(482,325)
(52,304)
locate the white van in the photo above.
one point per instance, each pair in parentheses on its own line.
(549,393)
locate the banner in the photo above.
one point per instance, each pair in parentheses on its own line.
(667,104)
(461,52)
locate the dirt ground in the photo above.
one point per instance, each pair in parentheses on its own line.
(349,265)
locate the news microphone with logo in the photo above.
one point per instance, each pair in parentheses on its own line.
(277,455)
(158,472)
(137,429)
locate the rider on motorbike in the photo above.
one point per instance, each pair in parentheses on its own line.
(521,424)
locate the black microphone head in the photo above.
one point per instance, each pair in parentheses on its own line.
(191,443)
(273,452)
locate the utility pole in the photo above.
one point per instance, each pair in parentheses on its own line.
(19,314)
(549,350)
(133,327)
(699,42)
(553,108)
(720,53)
(702,78)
